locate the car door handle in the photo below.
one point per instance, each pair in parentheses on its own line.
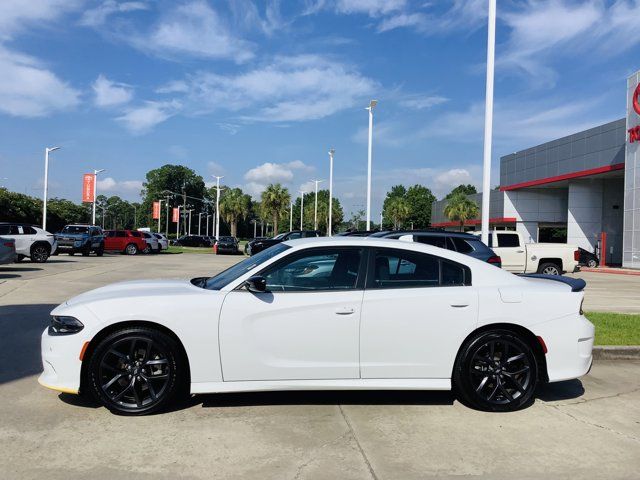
(459,305)
(519,251)
(345,311)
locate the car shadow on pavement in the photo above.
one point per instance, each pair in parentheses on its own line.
(7,276)
(567,390)
(20,269)
(21,327)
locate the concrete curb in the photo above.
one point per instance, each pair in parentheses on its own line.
(616,352)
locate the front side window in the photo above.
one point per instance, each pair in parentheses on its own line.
(9,230)
(317,269)
(406,269)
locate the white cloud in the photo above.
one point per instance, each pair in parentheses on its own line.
(139,120)
(296,88)
(193,29)
(259,177)
(420,102)
(28,89)
(97,16)
(373,8)
(109,93)
(16,15)
(120,187)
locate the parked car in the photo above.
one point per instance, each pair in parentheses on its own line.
(357,233)
(30,241)
(7,250)
(82,239)
(124,241)
(257,245)
(192,241)
(458,242)
(226,245)
(588,258)
(380,315)
(153,246)
(163,241)
(547,258)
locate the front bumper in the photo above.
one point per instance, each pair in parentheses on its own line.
(61,362)
(569,342)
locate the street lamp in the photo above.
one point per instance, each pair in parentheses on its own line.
(301,209)
(255,226)
(199,222)
(381,221)
(159,213)
(290,216)
(189,229)
(95,193)
(315,208)
(488,123)
(372,104)
(217,232)
(208,216)
(330,229)
(47,151)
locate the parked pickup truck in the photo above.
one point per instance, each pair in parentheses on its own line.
(547,258)
(82,239)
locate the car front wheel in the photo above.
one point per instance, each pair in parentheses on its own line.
(496,371)
(136,371)
(131,249)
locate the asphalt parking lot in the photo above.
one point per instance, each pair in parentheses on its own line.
(588,428)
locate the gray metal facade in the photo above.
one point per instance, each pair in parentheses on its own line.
(600,146)
(631,235)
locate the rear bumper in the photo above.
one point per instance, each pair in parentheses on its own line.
(569,342)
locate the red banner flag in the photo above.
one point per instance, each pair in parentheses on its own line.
(176,215)
(156,210)
(88,187)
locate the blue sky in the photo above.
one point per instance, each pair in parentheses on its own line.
(259,91)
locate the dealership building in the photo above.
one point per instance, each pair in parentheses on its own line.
(586,184)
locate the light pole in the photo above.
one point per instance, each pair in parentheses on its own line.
(159,213)
(217,232)
(208,215)
(315,208)
(255,226)
(290,216)
(330,228)
(167,208)
(47,151)
(380,221)
(95,193)
(189,229)
(135,216)
(199,222)
(178,224)
(488,122)
(372,104)
(301,209)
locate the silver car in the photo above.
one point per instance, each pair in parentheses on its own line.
(162,241)
(31,241)
(152,243)
(7,250)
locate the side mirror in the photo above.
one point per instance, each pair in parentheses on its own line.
(256,284)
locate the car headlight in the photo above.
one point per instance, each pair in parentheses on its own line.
(64,326)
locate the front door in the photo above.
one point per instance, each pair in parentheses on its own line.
(417,310)
(305,327)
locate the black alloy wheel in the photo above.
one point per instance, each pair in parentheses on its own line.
(136,371)
(497,371)
(39,253)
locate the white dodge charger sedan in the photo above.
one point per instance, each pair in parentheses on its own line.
(323,313)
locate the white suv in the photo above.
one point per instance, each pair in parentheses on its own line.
(32,242)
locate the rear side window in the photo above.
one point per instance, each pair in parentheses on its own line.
(406,269)
(462,245)
(436,241)
(9,230)
(136,234)
(119,234)
(27,230)
(508,240)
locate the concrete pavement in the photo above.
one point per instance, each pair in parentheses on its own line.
(588,428)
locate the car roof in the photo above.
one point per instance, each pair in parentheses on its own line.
(434,233)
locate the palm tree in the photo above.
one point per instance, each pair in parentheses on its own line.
(234,205)
(275,202)
(460,209)
(399,210)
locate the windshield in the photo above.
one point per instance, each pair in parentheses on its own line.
(226,239)
(278,237)
(227,276)
(75,229)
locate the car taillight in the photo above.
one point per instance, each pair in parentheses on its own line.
(576,255)
(495,260)
(8,244)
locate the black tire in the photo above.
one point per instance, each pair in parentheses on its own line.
(131,249)
(100,251)
(86,251)
(592,263)
(484,380)
(147,249)
(72,253)
(550,269)
(120,378)
(40,252)
(19,258)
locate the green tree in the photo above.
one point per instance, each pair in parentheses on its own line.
(234,205)
(466,189)
(420,200)
(461,208)
(275,203)
(323,211)
(398,210)
(397,191)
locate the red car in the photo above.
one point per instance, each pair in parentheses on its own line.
(124,241)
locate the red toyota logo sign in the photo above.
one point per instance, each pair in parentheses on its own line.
(636,103)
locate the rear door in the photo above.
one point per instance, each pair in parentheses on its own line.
(417,310)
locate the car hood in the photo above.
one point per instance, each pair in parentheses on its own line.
(137,288)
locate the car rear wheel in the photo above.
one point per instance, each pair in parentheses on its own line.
(147,249)
(131,249)
(549,269)
(39,253)
(136,371)
(100,251)
(592,263)
(496,371)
